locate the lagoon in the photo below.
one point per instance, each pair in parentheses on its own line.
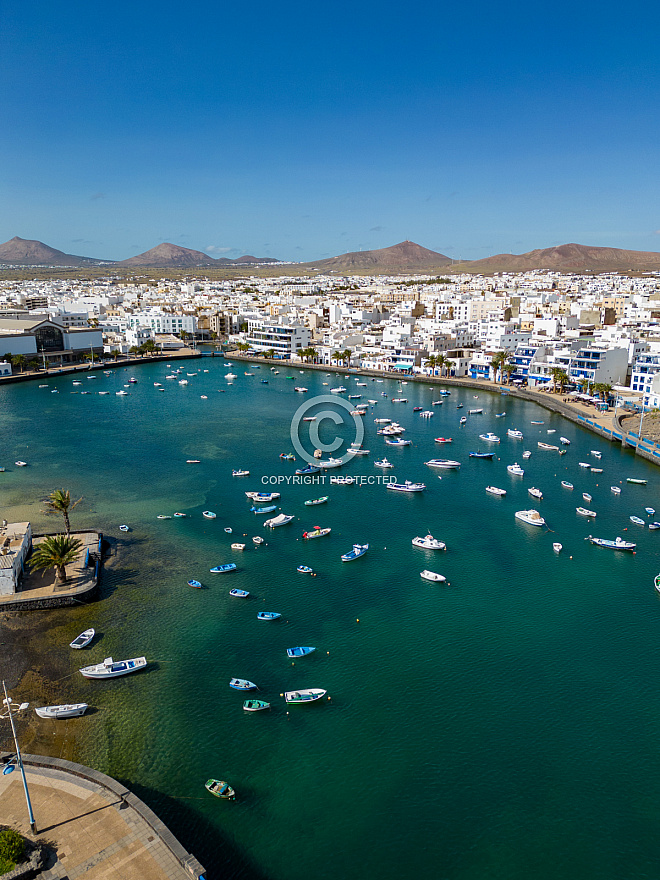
(501,727)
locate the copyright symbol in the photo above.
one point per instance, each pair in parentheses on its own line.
(337,411)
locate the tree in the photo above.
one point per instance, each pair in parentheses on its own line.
(60,502)
(497,362)
(509,368)
(56,551)
(448,365)
(270,353)
(440,362)
(134,350)
(312,353)
(346,356)
(19,360)
(559,377)
(33,364)
(337,356)
(431,362)
(150,346)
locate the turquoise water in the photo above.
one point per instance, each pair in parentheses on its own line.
(501,727)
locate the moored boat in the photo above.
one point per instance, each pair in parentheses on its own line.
(566,484)
(557,547)
(628,480)
(531,517)
(220,789)
(281,520)
(316,501)
(487,455)
(516,470)
(384,463)
(432,576)
(547,446)
(408,486)
(615,489)
(536,493)
(617,544)
(269,509)
(239,594)
(268,615)
(209,514)
(242,684)
(637,520)
(83,639)
(489,437)
(255,705)
(305,569)
(582,511)
(443,440)
(196,585)
(299,652)
(515,434)
(445,463)
(565,441)
(304,695)
(493,490)
(221,569)
(239,473)
(67,711)
(111,669)
(357,551)
(316,532)
(428,542)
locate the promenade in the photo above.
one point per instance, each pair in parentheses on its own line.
(99,829)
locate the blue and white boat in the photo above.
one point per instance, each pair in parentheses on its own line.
(268,615)
(398,442)
(618,544)
(299,652)
(221,569)
(269,509)
(357,551)
(259,497)
(482,455)
(408,486)
(310,469)
(195,584)
(239,594)
(305,569)
(489,437)
(242,684)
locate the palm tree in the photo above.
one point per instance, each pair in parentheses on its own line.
(497,362)
(508,369)
(337,356)
(270,353)
(431,362)
(19,360)
(60,502)
(440,361)
(346,356)
(559,377)
(448,365)
(56,551)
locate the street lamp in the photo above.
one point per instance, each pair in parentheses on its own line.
(9,703)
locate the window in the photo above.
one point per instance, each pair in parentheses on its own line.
(49,339)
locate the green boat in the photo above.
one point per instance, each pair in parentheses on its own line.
(316,501)
(255,705)
(220,789)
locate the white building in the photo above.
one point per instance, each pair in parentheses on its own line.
(284,339)
(15,543)
(161,322)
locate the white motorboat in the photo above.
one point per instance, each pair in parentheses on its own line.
(304,695)
(474,412)
(527,454)
(583,511)
(384,463)
(616,490)
(432,576)
(183,381)
(489,437)
(566,484)
(493,490)
(263,496)
(586,496)
(258,540)
(547,446)
(329,463)
(230,375)
(83,639)
(536,493)
(584,464)
(209,514)
(596,470)
(66,711)
(382,421)
(515,434)
(408,486)
(445,463)
(565,441)
(428,543)
(121,393)
(463,420)
(532,517)
(281,520)
(427,414)
(339,390)
(238,546)
(557,547)
(618,544)
(596,453)
(111,669)
(516,470)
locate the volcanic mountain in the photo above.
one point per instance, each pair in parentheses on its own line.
(28,252)
(170,256)
(406,257)
(567,258)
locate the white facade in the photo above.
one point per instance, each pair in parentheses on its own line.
(285,339)
(160,322)
(15,543)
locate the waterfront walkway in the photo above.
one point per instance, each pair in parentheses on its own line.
(99,829)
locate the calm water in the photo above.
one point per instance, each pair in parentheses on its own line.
(502,727)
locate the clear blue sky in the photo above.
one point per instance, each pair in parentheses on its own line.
(306,130)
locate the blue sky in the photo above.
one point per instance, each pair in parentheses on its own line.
(303,130)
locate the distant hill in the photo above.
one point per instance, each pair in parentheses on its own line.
(28,252)
(406,257)
(170,256)
(567,258)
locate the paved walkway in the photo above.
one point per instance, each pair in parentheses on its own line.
(98,832)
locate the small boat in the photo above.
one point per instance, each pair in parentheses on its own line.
(637,520)
(309,419)
(526,454)
(489,437)
(240,473)
(357,551)
(432,576)
(500,415)
(551,431)
(20,463)
(300,388)
(459,406)
(316,532)
(428,543)
(563,451)
(398,442)
(221,569)
(229,375)
(111,669)
(339,390)
(399,400)
(305,569)
(615,489)
(515,434)
(488,455)
(586,496)
(650,510)
(238,546)
(124,528)
(287,456)
(427,414)
(356,451)
(618,544)
(382,421)
(209,514)
(164,516)
(443,440)
(536,422)
(557,547)
(83,639)
(408,486)
(305,695)
(228,530)
(331,463)
(384,463)
(566,484)
(220,789)
(180,515)
(596,470)
(258,540)
(628,480)
(239,594)
(181,382)
(263,496)
(299,652)
(474,412)
(193,461)
(281,520)
(548,446)
(532,517)
(516,470)
(565,441)
(255,705)
(310,469)
(595,453)
(654,525)
(264,381)
(493,490)
(70,711)
(584,512)
(445,463)
(536,493)
(417,408)
(584,464)
(43,386)
(268,509)
(315,501)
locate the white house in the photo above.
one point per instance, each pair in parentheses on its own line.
(15,543)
